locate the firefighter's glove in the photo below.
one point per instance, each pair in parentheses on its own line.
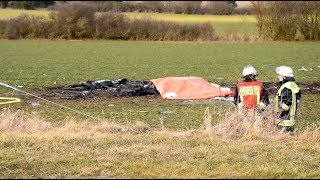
(240,105)
(262,106)
(284,107)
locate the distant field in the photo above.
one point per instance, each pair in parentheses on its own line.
(195,18)
(237,24)
(8,13)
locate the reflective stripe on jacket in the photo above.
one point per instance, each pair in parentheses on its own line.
(292,109)
(250,93)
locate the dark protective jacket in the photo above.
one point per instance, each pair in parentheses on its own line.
(286,101)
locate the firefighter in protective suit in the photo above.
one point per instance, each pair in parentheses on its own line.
(250,93)
(286,100)
(251,96)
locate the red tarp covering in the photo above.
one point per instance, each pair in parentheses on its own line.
(188,88)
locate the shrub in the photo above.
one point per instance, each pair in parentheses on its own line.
(308,20)
(105,6)
(147,29)
(3,24)
(111,26)
(27,26)
(283,20)
(27,4)
(177,7)
(72,19)
(76,21)
(18,27)
(115,26)
(217,7)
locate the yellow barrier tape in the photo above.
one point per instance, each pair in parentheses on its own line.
(11,100)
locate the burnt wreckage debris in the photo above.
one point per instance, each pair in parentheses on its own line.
(120,87)
(125,88)
(312,88)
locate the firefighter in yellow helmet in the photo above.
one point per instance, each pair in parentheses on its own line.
(287,99)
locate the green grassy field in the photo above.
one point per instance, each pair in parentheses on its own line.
(39,63)
(35,64)
(236,24)
(48,141)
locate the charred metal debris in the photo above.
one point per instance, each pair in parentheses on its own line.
(120,87)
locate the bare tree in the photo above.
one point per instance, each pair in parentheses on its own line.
(309,19)
(276,19)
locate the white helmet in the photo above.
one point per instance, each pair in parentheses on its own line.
(284,71)
(249,70)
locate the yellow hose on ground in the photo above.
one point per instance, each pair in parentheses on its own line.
(10,100)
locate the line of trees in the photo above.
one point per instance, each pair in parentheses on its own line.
(288,20)
(29,5)
(177,7)
(77,20)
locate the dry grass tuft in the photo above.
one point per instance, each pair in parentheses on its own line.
(207,120)
(231,126)
(255,125)
(22,124)
(140,128)
(240,125)
(34,148)
(19,122)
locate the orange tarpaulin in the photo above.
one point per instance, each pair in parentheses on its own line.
(188,88)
